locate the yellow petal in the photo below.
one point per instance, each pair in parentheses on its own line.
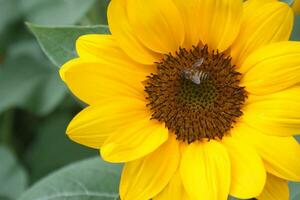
(92,80)
(272,68)
(296,7)
(157,24)
(205,171)
(102,47)
(145,178)
(135,141)
(124,35)
(93,125)
(275,189)
(220,22)
(275,114)
(174,190)
(248,175)
(280,154)
(191,13)
(250,5)
(268,23)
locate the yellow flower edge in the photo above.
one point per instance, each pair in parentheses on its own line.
(296,7)
(121,76)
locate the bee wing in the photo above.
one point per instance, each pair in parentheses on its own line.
(198,63)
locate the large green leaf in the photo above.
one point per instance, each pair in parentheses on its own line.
(296,31)
(294,191)
(13,178)
(9,12)
(92,179)
(97,15)
(28,79)
(4,198)
(9,16)
(52,131)
(6,128)
(55,12)
(30,84)
(59,42)
(290,2)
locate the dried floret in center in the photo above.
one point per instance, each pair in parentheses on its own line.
(196,94)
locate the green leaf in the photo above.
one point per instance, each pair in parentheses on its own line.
(59,42)
(13,178)
(30,84)
(9,13)
(290,2)
(6,128)
(296,30)
(97,14)
(231,198)
(52,131)
(4,198)
(55,12)
(92,179)
(294,190)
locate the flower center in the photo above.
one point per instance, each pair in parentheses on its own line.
(196,94)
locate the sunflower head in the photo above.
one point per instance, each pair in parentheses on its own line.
(196,93)
(199,98)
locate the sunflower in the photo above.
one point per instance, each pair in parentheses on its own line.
(200,99)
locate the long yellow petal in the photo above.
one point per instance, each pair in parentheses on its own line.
(145,178)
(205,171)
(268,23)
(220,22)
(248,175)
(275,114)
(125,36)
(157,24)
(191,13)
(272,68)
(280,154)
(103,48)
(92,80)
(275,189)
(134,141)
(174,190)
(250,5)
(92,126)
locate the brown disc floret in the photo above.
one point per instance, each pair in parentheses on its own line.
(196,93)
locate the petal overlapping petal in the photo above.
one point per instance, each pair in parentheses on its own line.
(220,22)
(157,24)
(125,36)
(145,178)
(174,190)
(272,68)
(275,189)
(191,13)
(280,154)
(275,114)
(248,175)
(93,125)
(135,141)
(94,80)
(268,23)
(205,170)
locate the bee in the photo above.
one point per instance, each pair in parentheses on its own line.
(198,63)
(194,74)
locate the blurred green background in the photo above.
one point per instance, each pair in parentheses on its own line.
(35,105)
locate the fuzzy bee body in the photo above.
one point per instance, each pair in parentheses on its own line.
(195,74)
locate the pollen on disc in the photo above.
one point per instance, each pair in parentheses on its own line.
(196,94)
